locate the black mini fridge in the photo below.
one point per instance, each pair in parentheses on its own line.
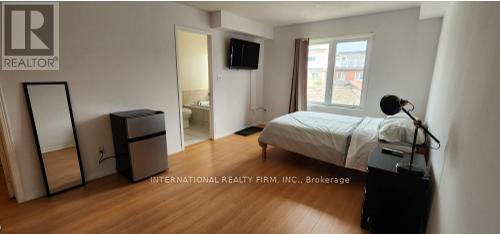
(140,143)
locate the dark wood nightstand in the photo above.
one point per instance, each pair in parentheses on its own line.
(394,202)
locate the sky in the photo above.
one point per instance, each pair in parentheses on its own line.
(343,47)
(351,46)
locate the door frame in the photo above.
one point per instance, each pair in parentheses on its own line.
(211,121)
(7,156)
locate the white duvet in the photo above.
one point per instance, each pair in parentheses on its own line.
(337,139)
(317,135)
(364,140)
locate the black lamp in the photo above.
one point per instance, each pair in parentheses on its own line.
(391,105)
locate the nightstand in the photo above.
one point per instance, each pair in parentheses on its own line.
(394,202)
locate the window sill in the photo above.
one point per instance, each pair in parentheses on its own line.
(330,108)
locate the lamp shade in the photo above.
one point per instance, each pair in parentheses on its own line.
(390,104)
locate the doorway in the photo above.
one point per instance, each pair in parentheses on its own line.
(194,85)
(6,183)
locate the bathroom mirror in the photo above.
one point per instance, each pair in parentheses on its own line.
(51,116)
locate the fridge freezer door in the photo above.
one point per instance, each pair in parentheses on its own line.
(145,125)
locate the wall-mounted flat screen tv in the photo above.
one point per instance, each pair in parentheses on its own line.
(243,54)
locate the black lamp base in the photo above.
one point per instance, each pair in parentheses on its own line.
(408,169)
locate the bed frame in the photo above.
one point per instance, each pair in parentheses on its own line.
(421,149)
(264,150)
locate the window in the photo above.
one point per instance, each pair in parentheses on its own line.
(336,72)
(358,75)
(316,72)
(340,75)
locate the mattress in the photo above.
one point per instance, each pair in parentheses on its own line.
(337,139)
(321,136)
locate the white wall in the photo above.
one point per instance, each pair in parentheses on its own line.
(52,119)
(193,61)
(433,9)
(464,112)
(119,56)
(232,93)
(401,62)
(234,23)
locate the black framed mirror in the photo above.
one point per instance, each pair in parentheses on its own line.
(49,106)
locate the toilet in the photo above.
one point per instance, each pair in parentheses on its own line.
(186,114)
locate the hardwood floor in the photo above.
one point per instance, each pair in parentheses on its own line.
(112,204)
(62,169)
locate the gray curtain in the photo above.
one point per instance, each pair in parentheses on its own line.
(298,96)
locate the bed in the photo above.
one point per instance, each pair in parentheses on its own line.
(337,139)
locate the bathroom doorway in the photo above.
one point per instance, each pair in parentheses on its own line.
(195,85)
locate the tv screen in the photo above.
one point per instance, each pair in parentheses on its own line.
(243,54)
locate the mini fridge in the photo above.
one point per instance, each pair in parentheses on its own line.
(140,143)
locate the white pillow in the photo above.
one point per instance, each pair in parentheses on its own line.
(399,128)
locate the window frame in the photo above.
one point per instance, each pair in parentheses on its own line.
(333,41)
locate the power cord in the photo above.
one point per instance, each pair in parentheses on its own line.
(102,158)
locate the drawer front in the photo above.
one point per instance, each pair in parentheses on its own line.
(146,125)
(148,157)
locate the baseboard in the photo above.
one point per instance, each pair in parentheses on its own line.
(40,192)
(48,149)
(98,174)
(260,125)
(31,195)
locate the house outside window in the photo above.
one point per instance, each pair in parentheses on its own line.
(358,75)
(336,71)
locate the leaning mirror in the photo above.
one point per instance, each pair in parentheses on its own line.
(49,107)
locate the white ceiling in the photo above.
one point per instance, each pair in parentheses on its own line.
(286,13)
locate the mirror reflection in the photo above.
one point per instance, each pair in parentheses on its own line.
(52,121)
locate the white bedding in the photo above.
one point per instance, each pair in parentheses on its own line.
(364,140)
(337,139)
(317,135)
